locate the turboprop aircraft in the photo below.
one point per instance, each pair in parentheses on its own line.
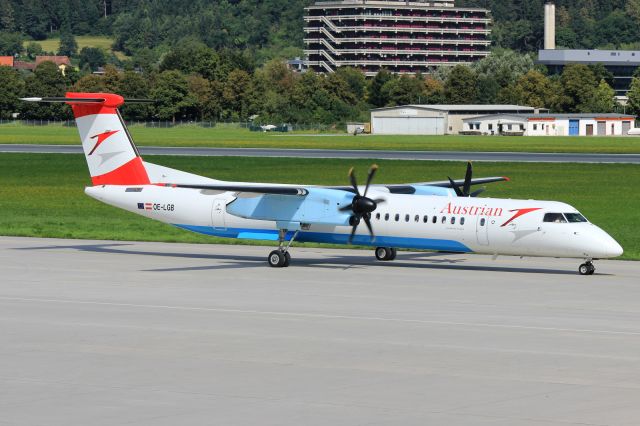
(441,216)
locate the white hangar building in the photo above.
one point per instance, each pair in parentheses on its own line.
(434,119)
(550,124)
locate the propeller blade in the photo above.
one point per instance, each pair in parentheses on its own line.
(347,208)
(372,172)
(380,200)
(367,222)
(478,192)
(455,187)
(353,232)
(467,180)
(352,179)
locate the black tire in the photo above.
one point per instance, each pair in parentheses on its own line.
(287,259)
(382,253)
(392,254)
(276,259)
(584,269)
(592,269)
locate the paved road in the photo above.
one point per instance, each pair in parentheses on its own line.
(371,154)
(106,333)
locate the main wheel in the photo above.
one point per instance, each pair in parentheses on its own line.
(382,253)
(277,259)
(586,269)
(287,259)
(592,269)
(392,254)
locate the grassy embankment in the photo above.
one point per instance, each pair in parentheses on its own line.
(226,136)
(42,195)
(53,44)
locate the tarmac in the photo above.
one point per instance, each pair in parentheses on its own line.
(106,333)
(519,157)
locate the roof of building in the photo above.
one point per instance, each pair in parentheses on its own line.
(464,108)
(58,60)
(6,61)
(605,57)
(23,65)
(523,117)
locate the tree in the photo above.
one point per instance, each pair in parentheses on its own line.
(634,95)
(34,49)
(237,95)
(536,90)
(10,44)
(376,96)
(461,86)
(7,20)
(503,66)
(11,88)
(403,91)
(579,84)
(603,99)
(171,94)
(92,58)
(432,91)
(68,45)
(46,80)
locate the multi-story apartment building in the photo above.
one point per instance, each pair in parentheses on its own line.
(402,36)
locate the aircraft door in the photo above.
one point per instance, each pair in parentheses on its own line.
(218,214)
(482,231)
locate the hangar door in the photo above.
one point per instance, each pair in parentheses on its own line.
(409,125)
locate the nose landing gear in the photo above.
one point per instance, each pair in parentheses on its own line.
(587,268)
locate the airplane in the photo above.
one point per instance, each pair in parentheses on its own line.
(439,216)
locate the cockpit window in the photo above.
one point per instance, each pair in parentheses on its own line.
(554,218)
(575,218)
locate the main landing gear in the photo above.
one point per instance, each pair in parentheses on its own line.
(386,253)
(281,258)
(587,268)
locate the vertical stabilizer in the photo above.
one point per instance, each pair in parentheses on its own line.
(112,156)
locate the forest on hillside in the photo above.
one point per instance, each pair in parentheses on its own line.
(273,28)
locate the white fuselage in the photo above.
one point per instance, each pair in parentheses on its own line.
(443,223)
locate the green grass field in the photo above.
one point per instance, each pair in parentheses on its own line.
(228,136)
(53,44)
(42,195)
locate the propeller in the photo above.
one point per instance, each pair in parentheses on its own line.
(361,206)
(466,186)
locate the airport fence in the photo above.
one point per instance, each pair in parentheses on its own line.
(253,126)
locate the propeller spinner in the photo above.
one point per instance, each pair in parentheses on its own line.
(361,206)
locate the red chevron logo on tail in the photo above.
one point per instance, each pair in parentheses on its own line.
(101,138)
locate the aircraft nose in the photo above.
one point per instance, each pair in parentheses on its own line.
(608,247)
(614,249)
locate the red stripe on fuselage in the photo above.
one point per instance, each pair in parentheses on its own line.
(131,173)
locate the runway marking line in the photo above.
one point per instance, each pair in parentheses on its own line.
(324,316)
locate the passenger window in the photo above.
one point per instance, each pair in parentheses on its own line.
(397,217)
(406,218)
(435,219)
(377,216)
(386,216)
(444,219)
(453,220)
(425,219)
(462,221)
(482,222)
(417,218)
(554,218)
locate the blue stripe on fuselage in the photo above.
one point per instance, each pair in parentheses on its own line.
(331,238)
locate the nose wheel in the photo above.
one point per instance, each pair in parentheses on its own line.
(587,268)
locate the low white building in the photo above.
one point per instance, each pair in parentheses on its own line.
(433,119)
(550,124)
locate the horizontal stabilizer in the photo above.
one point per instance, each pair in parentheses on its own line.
(257,189)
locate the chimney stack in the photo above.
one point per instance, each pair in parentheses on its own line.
(549,26)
